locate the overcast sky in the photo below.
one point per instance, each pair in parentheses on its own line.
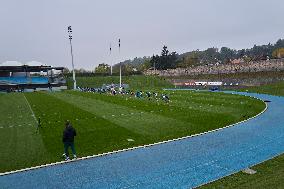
(37,29)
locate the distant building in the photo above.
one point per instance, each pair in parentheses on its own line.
(237,61)
(15,76)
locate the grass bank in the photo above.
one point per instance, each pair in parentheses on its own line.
(135,82)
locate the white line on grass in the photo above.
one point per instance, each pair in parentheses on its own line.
(30,108)
(137,147)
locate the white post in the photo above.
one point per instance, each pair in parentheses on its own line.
(74,77)
(154,68)
(70,38)
(119,64)
(110,61)
(120,74)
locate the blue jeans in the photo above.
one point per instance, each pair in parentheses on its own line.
(66,147)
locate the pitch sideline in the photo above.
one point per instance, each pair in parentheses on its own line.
(137,147)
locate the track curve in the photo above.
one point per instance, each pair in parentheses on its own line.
(184,163)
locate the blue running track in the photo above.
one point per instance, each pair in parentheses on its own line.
(180,164)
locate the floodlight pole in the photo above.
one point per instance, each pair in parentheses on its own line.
(70,39)
(154,66)
(119,64)
(110,59)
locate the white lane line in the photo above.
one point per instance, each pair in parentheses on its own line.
(12,126)
(213,163)
(30,108)
(239,170)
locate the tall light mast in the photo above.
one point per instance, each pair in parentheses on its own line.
(70,38)
(119,64)
(110,59)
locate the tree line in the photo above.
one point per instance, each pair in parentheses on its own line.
(171,60)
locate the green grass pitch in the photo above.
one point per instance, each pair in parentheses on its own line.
(104,122)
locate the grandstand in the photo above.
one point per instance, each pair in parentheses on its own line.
(32,76)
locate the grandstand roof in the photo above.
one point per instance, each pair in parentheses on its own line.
(26,68)
(11,63)
(16,63)
(35,63)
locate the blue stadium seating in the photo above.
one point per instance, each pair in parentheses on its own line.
(39,80)
(24,80)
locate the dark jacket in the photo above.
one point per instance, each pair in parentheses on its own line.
(68,134)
